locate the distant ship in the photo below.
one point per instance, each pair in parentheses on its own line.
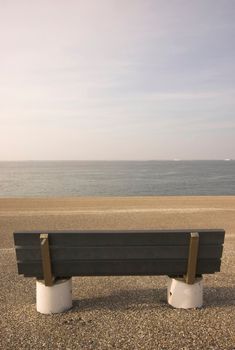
(227,159)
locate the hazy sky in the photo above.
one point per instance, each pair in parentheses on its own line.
(120,79)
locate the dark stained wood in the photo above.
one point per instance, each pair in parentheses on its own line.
(118,268)
(125,252)
(192,258)
(107,253)
(119,238)
(46,260)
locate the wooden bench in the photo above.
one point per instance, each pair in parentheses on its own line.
(185,253)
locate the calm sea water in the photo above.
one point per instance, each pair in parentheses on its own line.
(116,178)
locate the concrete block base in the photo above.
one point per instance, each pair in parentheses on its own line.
(55,299)
(183,295)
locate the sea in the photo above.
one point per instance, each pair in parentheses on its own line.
(117,178)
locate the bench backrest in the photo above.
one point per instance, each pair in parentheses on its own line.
(106,253)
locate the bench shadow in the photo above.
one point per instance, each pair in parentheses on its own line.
(150,299)
(124,300)
(218,296)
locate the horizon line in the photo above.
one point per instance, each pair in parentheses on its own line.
(117,160)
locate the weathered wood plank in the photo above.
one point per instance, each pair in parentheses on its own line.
(125,252)
(118,267)
(46,260)
(120,238)
(192,258)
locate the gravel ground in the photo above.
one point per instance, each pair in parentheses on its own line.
(117,312)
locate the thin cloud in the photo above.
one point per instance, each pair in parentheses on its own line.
(119,70)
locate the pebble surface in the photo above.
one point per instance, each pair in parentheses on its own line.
(117,312)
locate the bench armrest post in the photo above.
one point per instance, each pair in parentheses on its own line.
(46,260)
(192,258)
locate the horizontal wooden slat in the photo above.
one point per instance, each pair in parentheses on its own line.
(129,252)
(118,268)
(120,238)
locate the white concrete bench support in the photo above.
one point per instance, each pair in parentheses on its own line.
(187,292)
(183,295)
(52,296)
(54,299)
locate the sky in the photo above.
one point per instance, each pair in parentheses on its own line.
(117,80)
